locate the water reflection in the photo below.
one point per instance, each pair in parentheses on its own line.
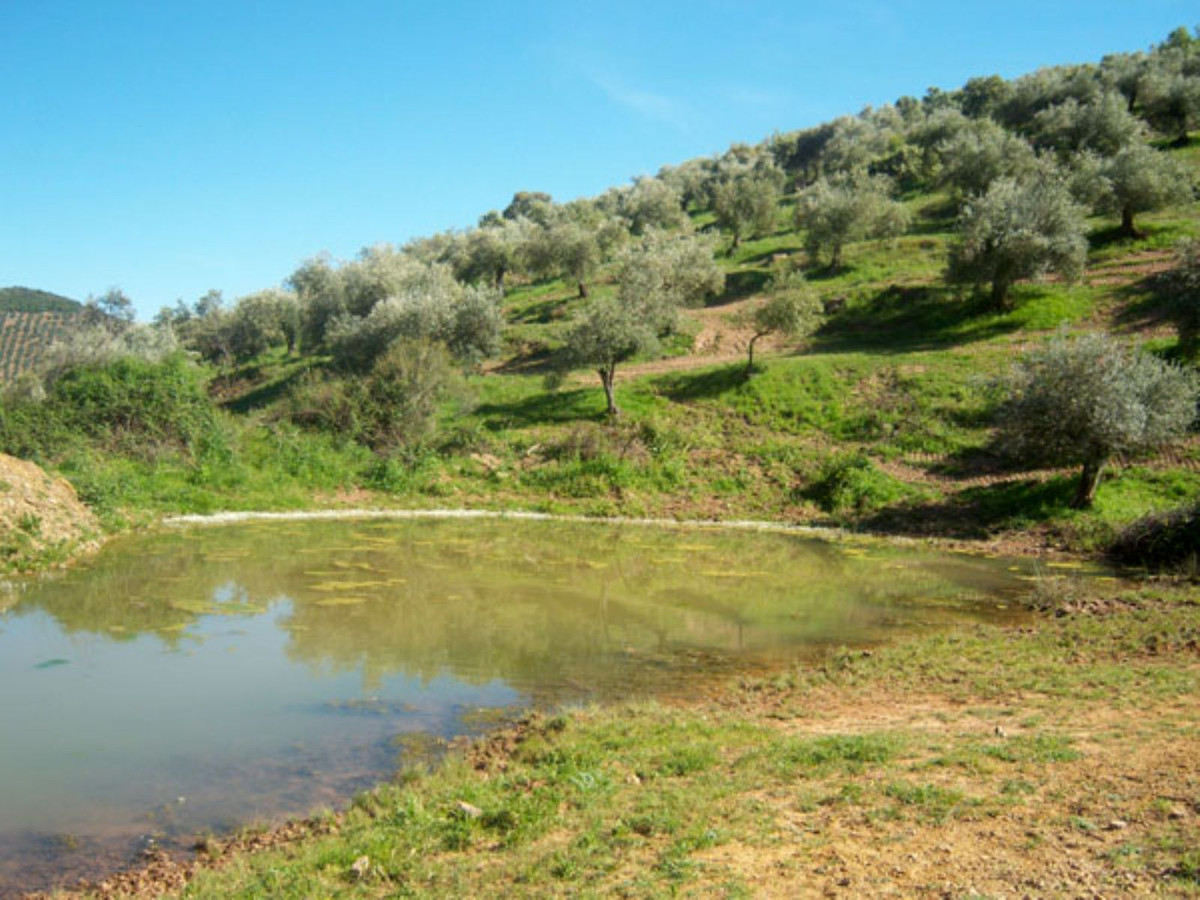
(197,678)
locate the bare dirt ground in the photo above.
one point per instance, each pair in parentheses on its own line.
(39,512)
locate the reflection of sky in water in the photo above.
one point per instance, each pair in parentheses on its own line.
(135,724)
(255,669)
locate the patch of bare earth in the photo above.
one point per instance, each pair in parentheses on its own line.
(1080,828)
(39,512)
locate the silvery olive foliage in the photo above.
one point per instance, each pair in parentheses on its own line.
(1082,401)
(465,319)
(657,276)
(981,152)
(608,334)
(662,273)
(650,204)
(746,198)
(1181,286)
(835,211)
(1140,179)
(791,308)
(1019,229)
(1103,126)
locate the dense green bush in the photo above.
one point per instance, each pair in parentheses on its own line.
(852,484)
(393,407)
(130,406)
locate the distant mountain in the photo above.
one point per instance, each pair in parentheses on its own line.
(23,299)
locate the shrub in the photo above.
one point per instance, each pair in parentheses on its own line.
(394,406)
(852,484)
(130,406)
(1165,541)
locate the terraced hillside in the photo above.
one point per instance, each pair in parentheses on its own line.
(30,321)
(25,337)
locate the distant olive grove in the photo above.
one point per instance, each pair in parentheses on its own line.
(1022,161)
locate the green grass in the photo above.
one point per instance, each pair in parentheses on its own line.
(644,800)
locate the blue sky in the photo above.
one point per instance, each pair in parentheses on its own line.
(167,148)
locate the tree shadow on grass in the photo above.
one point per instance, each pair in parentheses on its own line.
(541,312)
(545,408)
(264,395)
(978,512)
(739,285)
(1148,306)
(531,359)
(902,319)
(684,386)
(770,256)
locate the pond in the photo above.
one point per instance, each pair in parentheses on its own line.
(198,679)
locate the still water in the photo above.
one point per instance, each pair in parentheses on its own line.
(197,679)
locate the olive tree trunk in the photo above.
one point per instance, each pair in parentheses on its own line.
(1089,480)
(1127,227)
(607,375)
(750,354)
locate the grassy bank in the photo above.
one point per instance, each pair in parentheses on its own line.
(1055,758)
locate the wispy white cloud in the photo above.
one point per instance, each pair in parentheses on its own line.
(649,104)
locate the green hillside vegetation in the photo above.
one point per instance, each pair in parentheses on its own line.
(594,356)
(23,299)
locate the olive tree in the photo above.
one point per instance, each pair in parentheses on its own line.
(792,308)
(1172,103)
(112,311)
(745,201)
(651,203)
(565,249)
(608,334)
(1086,400)
(320,290)
(835,212)
(1019,229)
(489,253)
(1181,286)
(657,276)
(974,156)
(1103,125)
(1141,179)
(437,309)
(256,323)
(663,273)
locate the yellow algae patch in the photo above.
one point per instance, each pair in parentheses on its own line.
(195,607)
(347,585)
(224,557)
(240,608)
(343,600)
(362,567)
(712,573)
(667,560)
